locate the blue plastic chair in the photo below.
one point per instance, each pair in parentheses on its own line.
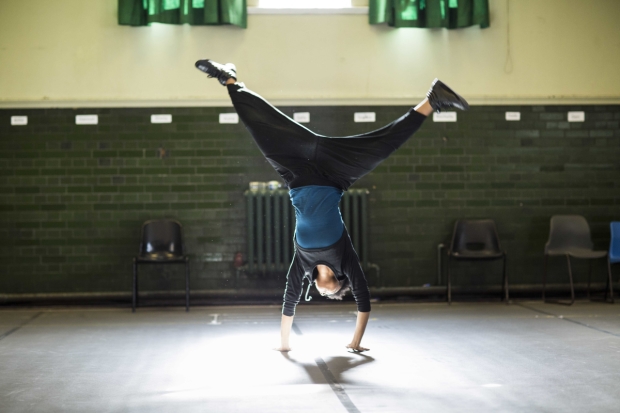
(614,249)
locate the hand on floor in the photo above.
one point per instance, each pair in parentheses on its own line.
(356,349)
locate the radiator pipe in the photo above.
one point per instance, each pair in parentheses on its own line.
(288,229)
(277,229)
(268,232)
(260,256)
(440,248)
(250,229)
(365,193)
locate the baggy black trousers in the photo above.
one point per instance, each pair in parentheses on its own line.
(302,157)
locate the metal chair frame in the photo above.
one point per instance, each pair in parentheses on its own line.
(609,289)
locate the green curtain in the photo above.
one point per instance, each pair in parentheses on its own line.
(194,12)
(451,14)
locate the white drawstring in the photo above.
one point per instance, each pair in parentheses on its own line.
(308,291)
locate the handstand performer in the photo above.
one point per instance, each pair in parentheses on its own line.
(317,170)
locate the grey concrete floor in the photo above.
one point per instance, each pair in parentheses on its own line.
(468,357)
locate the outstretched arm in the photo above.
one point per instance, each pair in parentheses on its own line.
(360,327)
(361,293)
(292,295)
(285,332)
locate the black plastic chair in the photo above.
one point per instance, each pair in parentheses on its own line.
(569,235)
(161,243)
(475,240)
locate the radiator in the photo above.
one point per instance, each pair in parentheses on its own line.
(271,225)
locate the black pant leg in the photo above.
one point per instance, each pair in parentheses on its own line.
(347,159)
(288,146)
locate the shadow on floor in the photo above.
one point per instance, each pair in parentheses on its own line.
(336,365)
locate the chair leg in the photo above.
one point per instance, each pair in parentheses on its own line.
(610,282)
(545,278)
(572,287)
(589,277)
(607,284)
(449,283)
(134,295)
(186,285)
(506,293)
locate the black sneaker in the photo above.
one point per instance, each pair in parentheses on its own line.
(219,71)
(440,96)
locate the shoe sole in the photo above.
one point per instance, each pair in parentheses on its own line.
(204,66)
(461,100)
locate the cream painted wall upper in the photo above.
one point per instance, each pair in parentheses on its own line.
(73,53)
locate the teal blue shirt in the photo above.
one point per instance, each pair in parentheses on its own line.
(319,223)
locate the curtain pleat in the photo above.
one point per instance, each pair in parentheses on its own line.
(451,14)
(193,12)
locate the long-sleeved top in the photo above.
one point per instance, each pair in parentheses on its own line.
(340,257)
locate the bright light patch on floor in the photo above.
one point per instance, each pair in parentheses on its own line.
(491,385)
(244,366)
(304,4)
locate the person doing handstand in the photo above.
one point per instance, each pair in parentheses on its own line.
(317,170)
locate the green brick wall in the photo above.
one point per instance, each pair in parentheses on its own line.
(74,196)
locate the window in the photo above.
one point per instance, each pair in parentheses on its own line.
(304,4)
(307,6)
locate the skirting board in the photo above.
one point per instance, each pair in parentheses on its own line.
(249,294)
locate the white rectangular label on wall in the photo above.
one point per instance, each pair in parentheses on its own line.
(86,119)
(513,115)
(301,117)
(19,120)
(161,118)
(364,117)
(444,117)
(229,118)
(576,116)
